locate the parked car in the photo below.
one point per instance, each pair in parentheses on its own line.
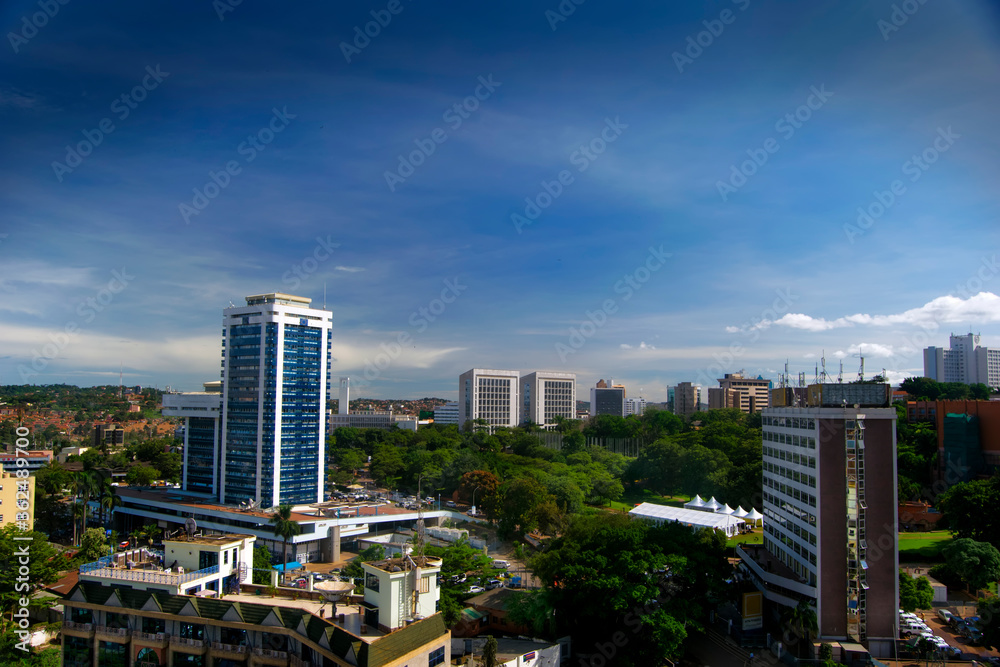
(493,583)
(501,564)
(476,589)
(451,503)
(301,582)
(945,615)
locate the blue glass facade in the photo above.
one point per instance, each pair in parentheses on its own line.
(275,407)
(201,438)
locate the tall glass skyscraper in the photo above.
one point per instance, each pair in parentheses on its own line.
(275,389)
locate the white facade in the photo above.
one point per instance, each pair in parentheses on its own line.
(447,413)
(403,589)
(546,395)
(373,419)
(275,336)
(488,394)
(635,406)
(966,362)
(189,566)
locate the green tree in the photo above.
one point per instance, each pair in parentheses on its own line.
(656,582)
(915,592)
(801,621)
(93,545)
(988,610)
(142,475)
(489,658)
(970,508)
(518,500)
(977,563)
(286,528)
(261,562)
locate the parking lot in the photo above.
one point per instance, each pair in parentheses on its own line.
(943,630)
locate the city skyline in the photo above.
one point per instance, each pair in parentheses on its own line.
(659,196)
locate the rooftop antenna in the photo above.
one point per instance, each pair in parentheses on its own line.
(840,375)
(824,376)
(324,295)
(784,378)
(861,371)
(816,374)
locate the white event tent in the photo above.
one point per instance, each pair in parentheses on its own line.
(658,514)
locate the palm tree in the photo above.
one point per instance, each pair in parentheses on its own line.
(109,500)
(79,514)
(87,483)
(801,619)
(150,531)
(285,528)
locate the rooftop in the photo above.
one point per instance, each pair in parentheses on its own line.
(214,540)
(401,564)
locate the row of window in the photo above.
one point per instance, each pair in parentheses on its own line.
(793,475)
(790,422)
(793,457)
(788,439)
(790,491)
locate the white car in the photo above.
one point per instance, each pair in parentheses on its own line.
(476,589)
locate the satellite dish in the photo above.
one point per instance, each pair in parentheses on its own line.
(190,525)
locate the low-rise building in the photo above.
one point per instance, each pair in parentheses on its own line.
(17,500)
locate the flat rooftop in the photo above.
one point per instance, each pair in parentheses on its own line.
(213,540)
(400,564)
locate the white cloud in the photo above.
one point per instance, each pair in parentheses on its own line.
(349,269)
(982,308)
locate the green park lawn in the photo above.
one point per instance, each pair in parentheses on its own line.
(630,499)
(922,547)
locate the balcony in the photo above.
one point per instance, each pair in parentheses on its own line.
(106,571)
(153,639)
(78,629)
(231,651)
(266,656)
(117,635)
(187,645)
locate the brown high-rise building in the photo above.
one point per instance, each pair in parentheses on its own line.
(830,519)
(736,391)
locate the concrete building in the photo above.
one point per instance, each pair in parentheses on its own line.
(546,395)
(635,406)
(965,361)
(112,626)
(686,399)
(830,518)
(366,418)
(202,415)
(605,400)
(33,460)
(274,432)
(17,499)
(751,394)
(189,566)
(402,589)
(488,394)
(447,413)
(968,435)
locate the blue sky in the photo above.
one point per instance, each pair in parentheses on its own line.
(672,253)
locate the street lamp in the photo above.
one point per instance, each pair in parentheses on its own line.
(474,497)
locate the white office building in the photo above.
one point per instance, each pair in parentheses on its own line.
(966,362)
(447,413)
(488,394)
(635,406)
(275,389)
(546,395)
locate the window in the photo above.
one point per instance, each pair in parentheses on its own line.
(436,657)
